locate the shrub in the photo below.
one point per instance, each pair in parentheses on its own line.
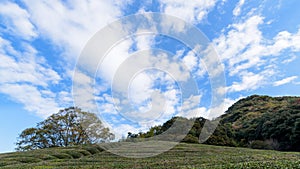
(29,160)
(62,156)
(84,152)
(259,144)
(92,150)
(190,139)
(47,157)
(74,153)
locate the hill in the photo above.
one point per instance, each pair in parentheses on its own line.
(264,122)
(260,122)
(181,156)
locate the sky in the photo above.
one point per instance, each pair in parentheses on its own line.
(49,59)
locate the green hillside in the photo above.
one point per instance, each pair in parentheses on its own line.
(182,156)
(264,122)
(260,122)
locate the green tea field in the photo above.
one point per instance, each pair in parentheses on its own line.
(181,156)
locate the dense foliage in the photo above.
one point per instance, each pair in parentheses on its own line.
(174,129)
(256,121)
(265,122)
(68,127)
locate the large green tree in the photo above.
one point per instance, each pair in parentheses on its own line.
(68,127)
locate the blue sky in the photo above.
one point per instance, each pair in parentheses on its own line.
(258,45)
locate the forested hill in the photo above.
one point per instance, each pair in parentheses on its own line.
(264,122)
(261,122)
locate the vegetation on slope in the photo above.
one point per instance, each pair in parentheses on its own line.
(265,122)
(261,122)
(181,156)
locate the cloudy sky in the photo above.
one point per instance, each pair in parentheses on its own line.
(145,78)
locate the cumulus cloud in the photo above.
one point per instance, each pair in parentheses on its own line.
(27,79)
(190,60)
(250,81)
(25,67)
(190,11)
(16,20)
(240,36)
(32,98)
(247,54)
(69,25)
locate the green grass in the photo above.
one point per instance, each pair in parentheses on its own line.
(182,156)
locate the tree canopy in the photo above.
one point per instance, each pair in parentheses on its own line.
(68,127)
(265,122)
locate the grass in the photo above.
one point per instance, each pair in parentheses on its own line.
(181,156)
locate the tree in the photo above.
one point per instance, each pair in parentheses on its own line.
(68,127)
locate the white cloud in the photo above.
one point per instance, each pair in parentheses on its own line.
(284,40)
(26,70)
(107,104)
(138,85)
(237,9)
(220,109)
(140,88)
(191,107)
(173,98)
(83,92)
(26,79)
(32,99)
(64,98)
(145,115)
(285,81)
(120,60)
(16,20)
(111,64)
(147,103)
(212,63)
(239,37)
(243,49)
(107,77)
(190,11)
(250,81)
(69,25)
(112,61)
(290,59)
(190,60)
(162,108)
(172,66)
(144,41)
(243,46)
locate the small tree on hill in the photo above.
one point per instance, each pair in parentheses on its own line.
(68,127)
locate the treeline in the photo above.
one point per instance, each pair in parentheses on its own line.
(260,122)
